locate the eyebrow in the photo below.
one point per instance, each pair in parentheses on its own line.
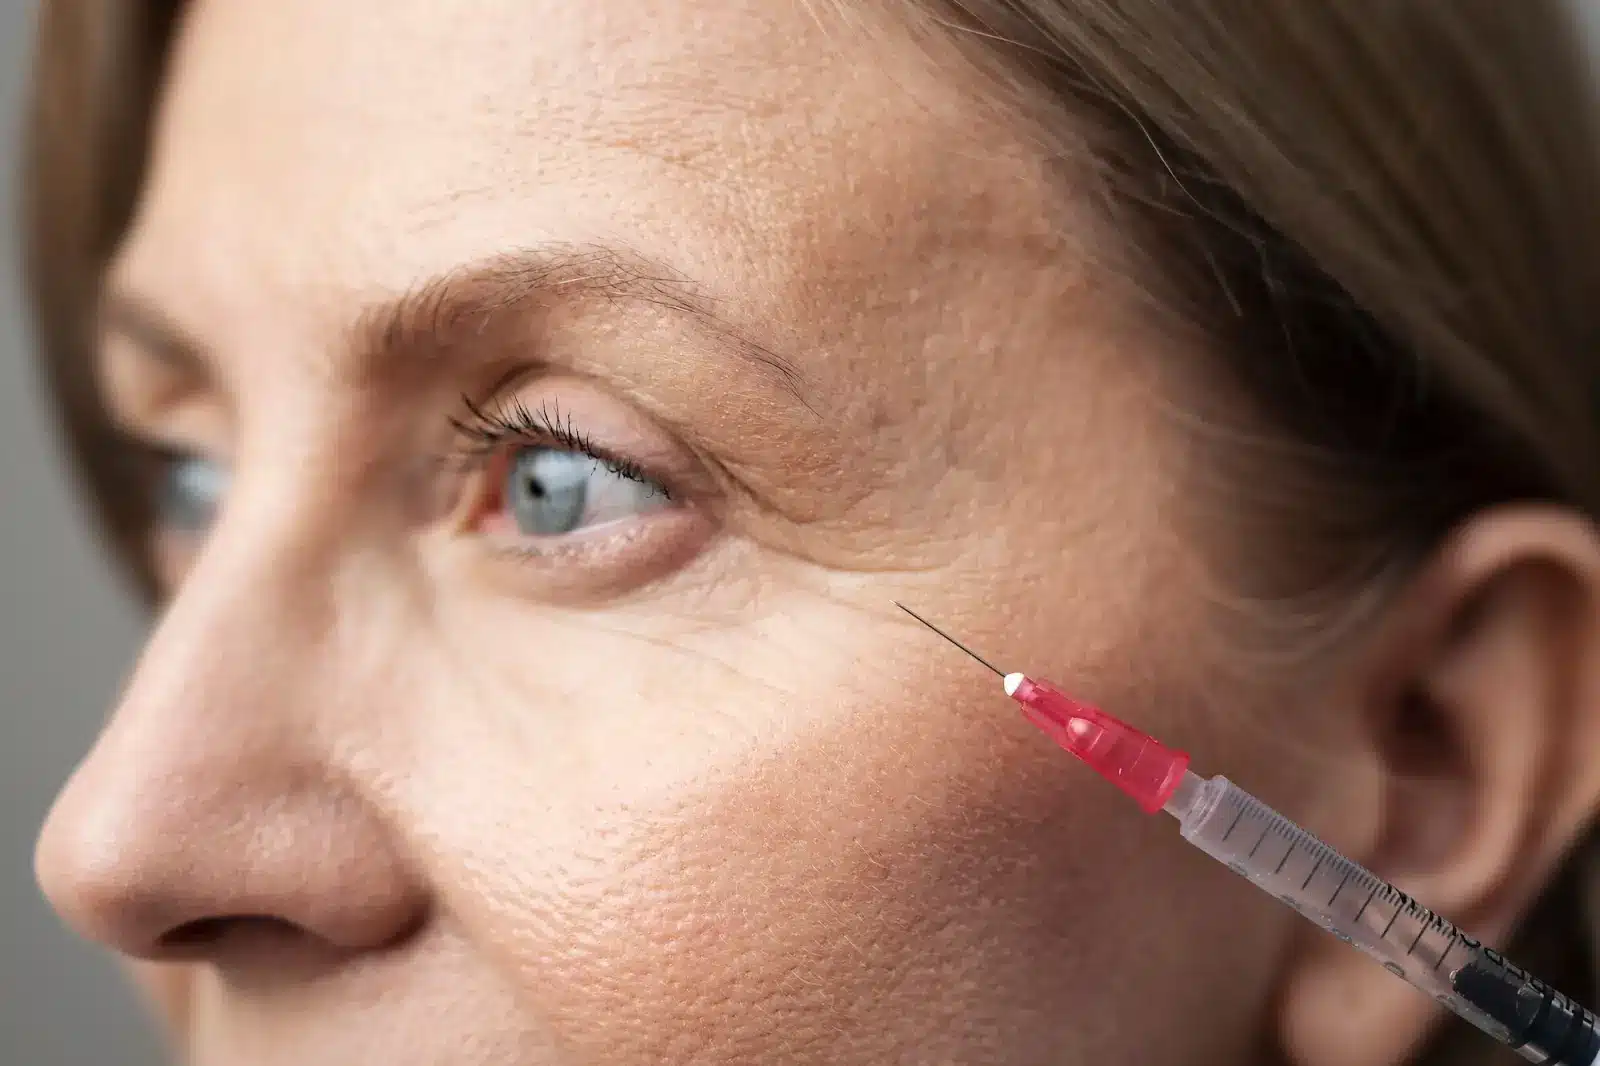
(459,308)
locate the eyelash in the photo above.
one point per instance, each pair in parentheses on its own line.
(486,431)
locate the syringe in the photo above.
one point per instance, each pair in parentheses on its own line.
(1281,858)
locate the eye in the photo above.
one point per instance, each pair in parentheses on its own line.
(548,492)
(188,492)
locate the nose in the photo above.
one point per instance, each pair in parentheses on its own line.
(210,823)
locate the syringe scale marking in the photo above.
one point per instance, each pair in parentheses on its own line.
(1504,1001)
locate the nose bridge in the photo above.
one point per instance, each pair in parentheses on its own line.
(257,601)
(213,794)
(228,668)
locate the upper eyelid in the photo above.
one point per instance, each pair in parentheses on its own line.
(132,383)
(155,339)
(148,409)
(490,428)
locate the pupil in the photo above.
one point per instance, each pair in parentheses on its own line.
(547,490)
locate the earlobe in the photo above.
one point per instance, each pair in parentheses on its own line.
(1479,691)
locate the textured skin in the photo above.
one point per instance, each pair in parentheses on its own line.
(700,795)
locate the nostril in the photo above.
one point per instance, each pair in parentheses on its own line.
(181,864)
(205,934)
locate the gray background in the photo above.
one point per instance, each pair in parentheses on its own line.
(66,635)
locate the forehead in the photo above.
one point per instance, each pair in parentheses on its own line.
(369,143)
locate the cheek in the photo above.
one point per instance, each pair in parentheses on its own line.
(943,881)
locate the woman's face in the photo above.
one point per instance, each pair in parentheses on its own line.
(558,397)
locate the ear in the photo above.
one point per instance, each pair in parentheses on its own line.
(1479,696)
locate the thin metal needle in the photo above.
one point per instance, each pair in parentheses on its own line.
(947,636)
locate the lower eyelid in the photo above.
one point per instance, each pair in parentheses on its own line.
(606,537)
(593,565)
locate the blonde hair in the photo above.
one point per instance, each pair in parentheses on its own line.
(1383,217)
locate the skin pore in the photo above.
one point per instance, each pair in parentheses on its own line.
(397,782)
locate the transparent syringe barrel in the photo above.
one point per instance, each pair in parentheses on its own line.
(1368,913)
